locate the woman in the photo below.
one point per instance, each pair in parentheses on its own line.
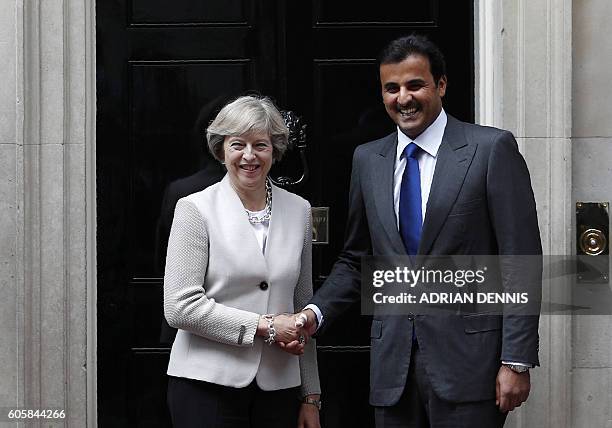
(239,257)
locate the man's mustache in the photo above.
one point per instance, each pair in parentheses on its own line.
(409,106)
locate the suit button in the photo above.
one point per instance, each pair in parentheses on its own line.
(263,285)
(411,317)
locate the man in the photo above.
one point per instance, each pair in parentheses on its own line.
(437,186)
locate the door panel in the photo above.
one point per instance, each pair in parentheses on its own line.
(164,101)
(384,13)
(187,12)
(162,69)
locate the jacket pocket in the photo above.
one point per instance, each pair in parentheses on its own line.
(468,207)
(376,329)
(481,322)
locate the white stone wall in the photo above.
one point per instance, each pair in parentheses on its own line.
(47,101)
(544,73)
(592,175)
(524,77)
(9,153)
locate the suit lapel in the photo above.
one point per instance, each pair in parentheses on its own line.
(454,158)
(383,167)
(234,214)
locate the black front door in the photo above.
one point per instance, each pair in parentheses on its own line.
(162,70)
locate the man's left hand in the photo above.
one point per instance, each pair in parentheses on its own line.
(511,388)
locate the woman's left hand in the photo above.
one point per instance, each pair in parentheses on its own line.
(295,347)
(309,416)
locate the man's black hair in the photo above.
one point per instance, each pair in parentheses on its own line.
(400,49)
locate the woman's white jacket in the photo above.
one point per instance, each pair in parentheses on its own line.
(214,289)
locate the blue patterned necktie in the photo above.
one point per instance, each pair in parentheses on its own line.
(410,214)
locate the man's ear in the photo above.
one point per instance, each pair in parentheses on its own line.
(442,86)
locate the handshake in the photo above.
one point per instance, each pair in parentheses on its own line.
(290,332)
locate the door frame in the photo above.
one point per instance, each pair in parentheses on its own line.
(91,216)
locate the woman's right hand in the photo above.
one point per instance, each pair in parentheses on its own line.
(288,334)
(286,329)
(289,337)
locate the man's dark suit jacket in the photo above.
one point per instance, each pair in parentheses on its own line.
(209,175)
(481,203)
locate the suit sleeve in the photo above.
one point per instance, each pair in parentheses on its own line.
(309,370)
(186,305)
(512,211)
(342,287)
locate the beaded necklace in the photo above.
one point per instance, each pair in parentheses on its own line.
(267,211)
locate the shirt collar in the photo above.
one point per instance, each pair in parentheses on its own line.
(429,140)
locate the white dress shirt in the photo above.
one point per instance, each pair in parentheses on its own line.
(429,143)
(260,229)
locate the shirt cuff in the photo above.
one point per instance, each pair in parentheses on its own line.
(317,313)
(518,364)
